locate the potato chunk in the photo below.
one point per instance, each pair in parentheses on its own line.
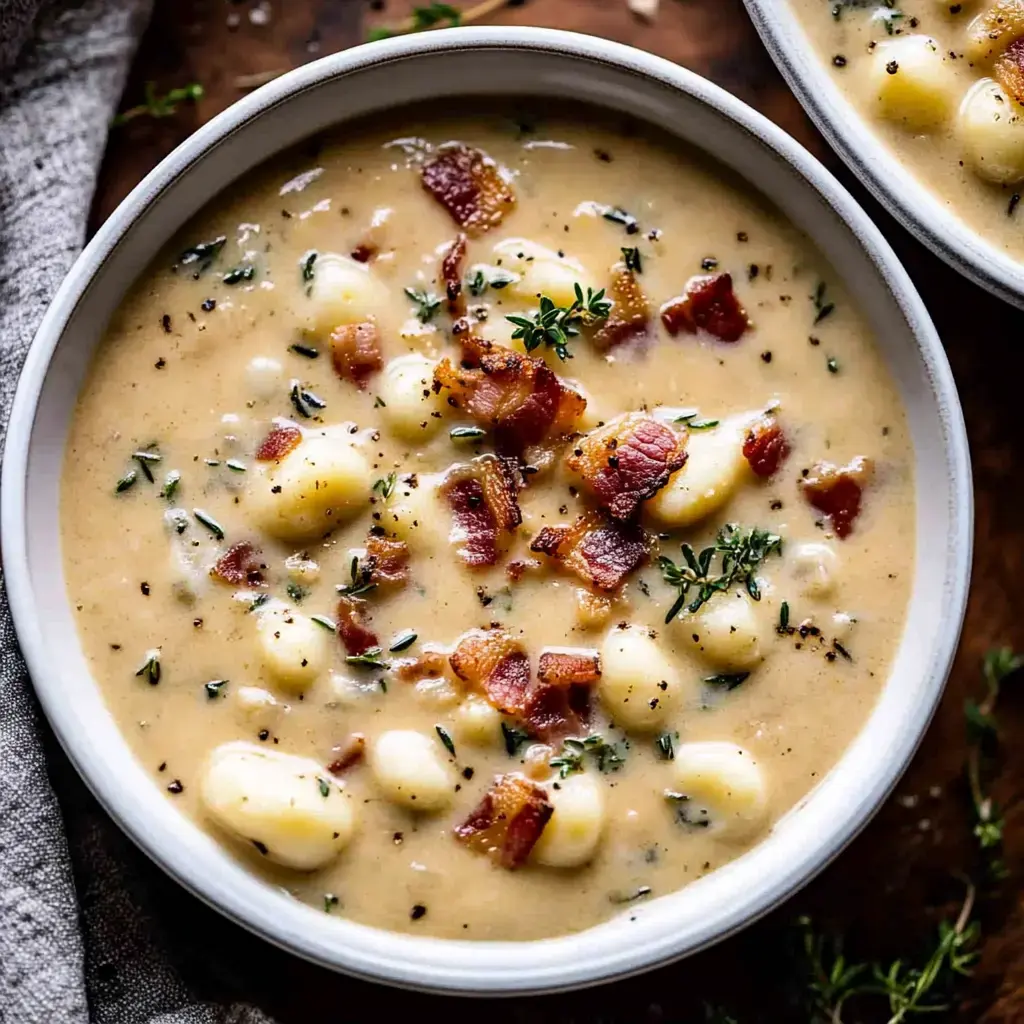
(573,832)
(410,770)
(720,786)
(288,807)
(411,406)
(323,483)
(293,648)
(912,83)
(542,272)
(343,292)
(726,632)
(714,469)
(814,567)
(991,128)
(638,683)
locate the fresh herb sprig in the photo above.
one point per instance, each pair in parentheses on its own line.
(555,326)
(608,757)
(908,990)
(360,580)
(427,304)
(370,658)
(741,550)
(155,105)
(998,666)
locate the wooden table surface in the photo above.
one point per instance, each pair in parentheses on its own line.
(887,891)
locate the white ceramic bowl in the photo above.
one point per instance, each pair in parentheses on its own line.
(450,64)
(874,163)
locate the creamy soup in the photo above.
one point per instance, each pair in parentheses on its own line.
(484,526)
(943,84)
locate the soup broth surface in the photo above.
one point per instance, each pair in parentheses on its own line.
(222,663)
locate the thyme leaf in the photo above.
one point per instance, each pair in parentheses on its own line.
(150,668)
(209,522)
(446,739)
(157,106)
(555,326)
(608,757)
(741,551)
(427,304)
(359,583)
(368,659)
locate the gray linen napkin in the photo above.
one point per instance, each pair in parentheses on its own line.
(79,939)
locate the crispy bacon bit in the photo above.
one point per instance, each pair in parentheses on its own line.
(364,252)
(508,821)
(519,398)
(569,666)
(765,446)
(601,551)
(451,274)
(240,566)
(558,705)
(482,495)
(387,561)
(628,461)
(432,663)
(708,303)
(1008,71)
(357,637)
(630,315)
(281,440)
(347,754)
(468,184)
(355,351)
(491,661)
(837,491)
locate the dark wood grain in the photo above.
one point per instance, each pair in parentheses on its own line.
(898,878)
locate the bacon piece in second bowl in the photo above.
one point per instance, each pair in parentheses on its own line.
(628,461)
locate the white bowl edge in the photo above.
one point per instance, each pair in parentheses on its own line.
(874,163)
(677,924)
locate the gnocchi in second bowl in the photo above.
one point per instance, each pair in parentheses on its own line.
(485,526)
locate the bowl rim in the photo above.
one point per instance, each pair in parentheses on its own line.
(902,193)
(494,968)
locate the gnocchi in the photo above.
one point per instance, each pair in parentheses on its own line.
(991,126)
(410,770)
(540,271)
(411,409)
(317,487)
(638,683)
(293,648)
(289,808)
(726,632)
(342,292)
(715,468)
(573,832)
(911,82)
(722,786)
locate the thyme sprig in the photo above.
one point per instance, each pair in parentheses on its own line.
(370,658)
(999,665)
(155,105)
(909,990)
(435,15)
(608,757)
(555,326)
(360,581)
(427,304)
(742,551)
